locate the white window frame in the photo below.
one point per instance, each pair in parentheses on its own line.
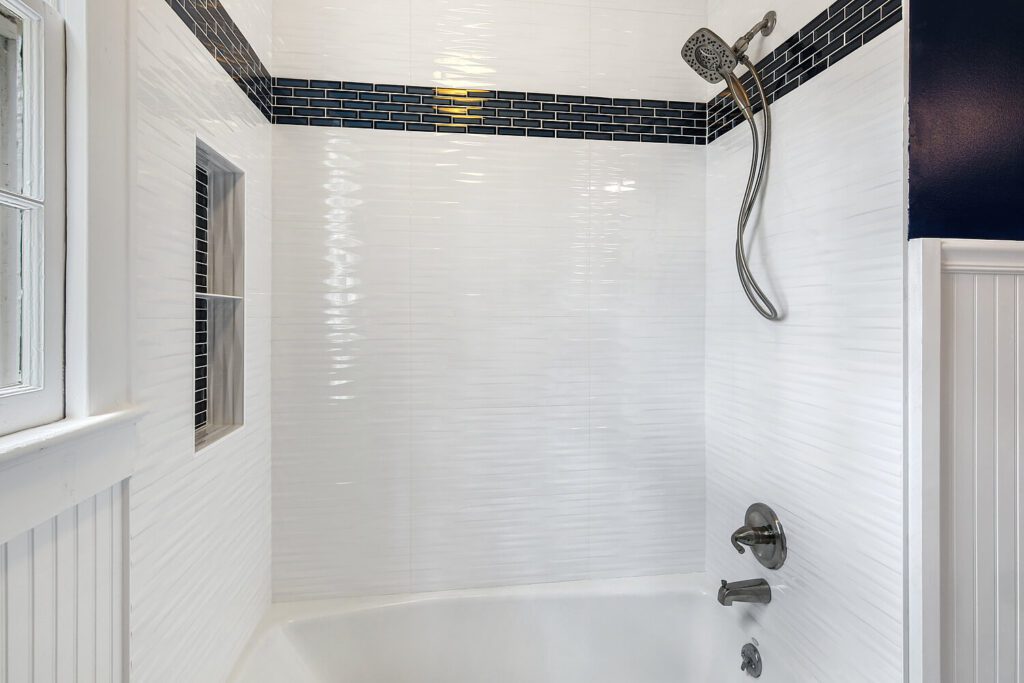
(40,397)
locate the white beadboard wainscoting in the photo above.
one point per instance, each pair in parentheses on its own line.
(806,415)
(967,310)
(61,589)
(966,475)
(983,520)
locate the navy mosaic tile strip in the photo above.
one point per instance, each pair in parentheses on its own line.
(834,34)
(202,306)
(348,104)
(217,31)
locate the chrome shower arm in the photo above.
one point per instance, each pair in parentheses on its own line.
(764,27)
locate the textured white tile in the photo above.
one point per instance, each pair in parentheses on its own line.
(807,415)
(538,46)
(469,401)
(343,39)
(500,496)
(254,20)
(563,46)
(636,54)
(199,525)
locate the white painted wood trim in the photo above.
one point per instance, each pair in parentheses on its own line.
(25,443)
(51,469)
(924,357)
(981,256)
(928,261)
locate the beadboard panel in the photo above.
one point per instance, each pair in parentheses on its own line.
(488,361)
(982,472)
(61,587)
(806,415)
(199,522)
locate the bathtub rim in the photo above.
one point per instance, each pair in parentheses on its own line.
(284,614)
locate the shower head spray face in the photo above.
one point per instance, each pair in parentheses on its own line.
(709,55)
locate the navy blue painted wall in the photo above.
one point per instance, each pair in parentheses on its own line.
(967,119)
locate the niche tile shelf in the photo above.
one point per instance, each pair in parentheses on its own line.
(219,298)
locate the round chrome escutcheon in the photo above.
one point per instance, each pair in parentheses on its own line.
(773,555)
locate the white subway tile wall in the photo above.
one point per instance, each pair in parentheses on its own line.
(807,415)
(199,525)
(488,361)
(561,46)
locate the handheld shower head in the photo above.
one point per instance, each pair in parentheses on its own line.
(714,61)
(712,58)
(709,55)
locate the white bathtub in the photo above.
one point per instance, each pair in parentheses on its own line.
(650,630)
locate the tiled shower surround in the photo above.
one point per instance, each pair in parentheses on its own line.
(835,33)
(500,359)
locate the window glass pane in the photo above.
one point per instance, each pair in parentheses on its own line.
(12,294)
(12,101)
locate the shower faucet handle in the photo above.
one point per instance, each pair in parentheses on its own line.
(764,536)
(752,536)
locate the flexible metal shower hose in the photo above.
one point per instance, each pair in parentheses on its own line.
(758,165)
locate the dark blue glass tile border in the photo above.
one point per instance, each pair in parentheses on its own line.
(834,34)
(344,104)
(202,312)
(217,31)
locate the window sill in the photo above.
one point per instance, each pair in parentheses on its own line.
(47,470)
(29,441)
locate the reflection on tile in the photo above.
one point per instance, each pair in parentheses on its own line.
(623,39)
(487,44)
(442,329)
(343,39)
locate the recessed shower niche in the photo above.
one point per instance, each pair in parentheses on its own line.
(219,297)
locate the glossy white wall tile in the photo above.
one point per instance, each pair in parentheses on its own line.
(807,414)
(982,476)
(562,46)
(450,318)
(199,524)
(254,21)
(61,596)
(343,39)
